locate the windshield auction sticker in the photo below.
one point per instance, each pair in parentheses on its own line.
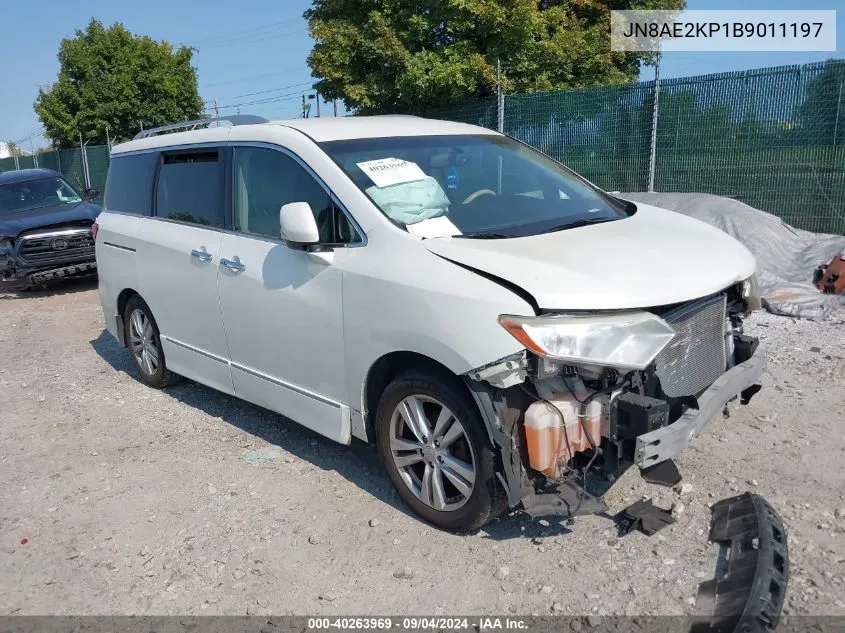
(729,30)
(391,171)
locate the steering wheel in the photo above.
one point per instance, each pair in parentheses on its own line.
(477,194)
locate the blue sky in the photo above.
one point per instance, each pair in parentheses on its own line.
(258,46)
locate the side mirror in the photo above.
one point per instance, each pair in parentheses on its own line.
(299,228)
(90,193)
(300,232)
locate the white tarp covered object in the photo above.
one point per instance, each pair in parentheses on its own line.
(786,257)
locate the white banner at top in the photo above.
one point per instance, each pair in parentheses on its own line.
(729,30)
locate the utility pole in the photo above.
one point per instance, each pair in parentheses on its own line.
(108,139)
(304,110)
(216,109)
(307,107)
(500,120)
(654,117)
(35,156)
(334,102)
(85,176)
(500,99)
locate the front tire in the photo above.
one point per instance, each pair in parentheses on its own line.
(436,451)
(144,342)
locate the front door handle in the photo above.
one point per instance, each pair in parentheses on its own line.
(233,264)
(201,254)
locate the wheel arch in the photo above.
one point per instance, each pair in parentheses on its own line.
(388,367)
(122,300)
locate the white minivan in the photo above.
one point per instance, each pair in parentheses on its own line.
(498,326)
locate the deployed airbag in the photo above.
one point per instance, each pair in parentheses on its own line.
(411,202)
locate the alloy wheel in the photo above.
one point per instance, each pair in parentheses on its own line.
(143,342)
(432,452)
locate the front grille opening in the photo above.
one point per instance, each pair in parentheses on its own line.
(48,246)
(695,358)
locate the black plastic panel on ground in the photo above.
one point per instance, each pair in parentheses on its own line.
(747,594)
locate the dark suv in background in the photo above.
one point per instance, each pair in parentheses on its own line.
(45,229)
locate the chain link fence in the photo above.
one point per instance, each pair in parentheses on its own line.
(773,138)
(81,167)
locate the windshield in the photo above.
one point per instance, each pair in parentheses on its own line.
(32,194)
(476,186)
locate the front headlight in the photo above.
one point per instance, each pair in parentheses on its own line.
(751,293)
(628,340)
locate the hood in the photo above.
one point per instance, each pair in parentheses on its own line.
(13,224)
(652,258)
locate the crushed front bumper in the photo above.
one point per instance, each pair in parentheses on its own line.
(666,442)
(25,278)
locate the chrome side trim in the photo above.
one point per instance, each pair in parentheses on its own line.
(119,247)
(253,372)
(205,227)
(287,385)
(219,359)
(61,233)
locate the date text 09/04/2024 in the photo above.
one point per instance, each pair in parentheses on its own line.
(417,623)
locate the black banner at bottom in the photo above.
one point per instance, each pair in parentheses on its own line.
(376,624)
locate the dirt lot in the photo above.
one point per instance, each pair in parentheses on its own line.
(118,499)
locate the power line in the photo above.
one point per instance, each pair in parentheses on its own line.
(242,79)
(250,94)
(249,40)
(284,97)
(261,92)
(29,137)
(242,32)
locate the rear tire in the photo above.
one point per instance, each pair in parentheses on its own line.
(437,453)
(144,342)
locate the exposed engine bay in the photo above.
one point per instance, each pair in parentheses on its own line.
(555,421)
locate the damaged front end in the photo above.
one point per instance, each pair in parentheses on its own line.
(598,393)
(47,254)
(7,258)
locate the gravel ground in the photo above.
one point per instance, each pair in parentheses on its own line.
(118,499)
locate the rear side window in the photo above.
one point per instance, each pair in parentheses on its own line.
(129,183)
(190,188)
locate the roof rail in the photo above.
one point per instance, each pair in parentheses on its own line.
(233,119)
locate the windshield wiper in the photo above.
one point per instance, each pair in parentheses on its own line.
(484,236)
(576,224)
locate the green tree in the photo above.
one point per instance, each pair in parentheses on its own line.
(414,55)
(111,78)
(822,114)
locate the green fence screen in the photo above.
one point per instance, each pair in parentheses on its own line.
(773,138)
(70,163)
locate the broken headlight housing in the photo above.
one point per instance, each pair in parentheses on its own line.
(750,292)
(628,340)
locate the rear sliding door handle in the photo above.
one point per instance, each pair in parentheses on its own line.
(233,264)
(201,254)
